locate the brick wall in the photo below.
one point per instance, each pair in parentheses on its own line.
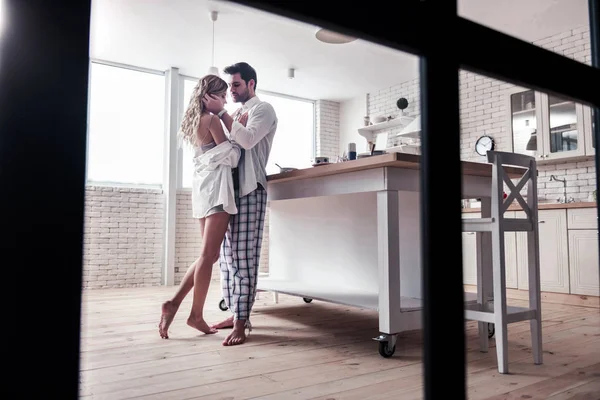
(123,237)
(483,109)
(328,129)
(383,102)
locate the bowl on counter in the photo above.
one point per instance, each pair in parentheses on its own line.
(377,119)
(285,169)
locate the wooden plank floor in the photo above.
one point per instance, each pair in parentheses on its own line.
(312,351)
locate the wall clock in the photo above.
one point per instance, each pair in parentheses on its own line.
(484,144)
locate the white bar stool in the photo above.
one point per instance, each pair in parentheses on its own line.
(495,311)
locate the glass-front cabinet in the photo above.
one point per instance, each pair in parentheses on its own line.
(524,111)
(590,140)
(546,126)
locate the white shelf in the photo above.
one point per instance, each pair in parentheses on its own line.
(368,131)
(405,148)
(412,134)
(340,295)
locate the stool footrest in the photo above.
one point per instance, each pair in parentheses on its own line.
(485,314)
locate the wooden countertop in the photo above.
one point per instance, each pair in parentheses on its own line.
(398,160)
(543,206)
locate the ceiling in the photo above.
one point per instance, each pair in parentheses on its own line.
(158,34)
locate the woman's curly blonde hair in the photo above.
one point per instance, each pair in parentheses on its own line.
(209,84)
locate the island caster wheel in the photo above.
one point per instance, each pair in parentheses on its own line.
(222,305)
(306,299)
(491,331)
(385,350)
(387,345)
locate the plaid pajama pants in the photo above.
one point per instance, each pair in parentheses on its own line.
(240,253)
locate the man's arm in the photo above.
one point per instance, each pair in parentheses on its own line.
(257,127)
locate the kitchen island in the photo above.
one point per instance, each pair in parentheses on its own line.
(349,233)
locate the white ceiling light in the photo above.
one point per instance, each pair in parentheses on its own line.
(213,70)
(327,36)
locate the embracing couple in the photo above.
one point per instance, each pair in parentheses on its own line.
(229,196)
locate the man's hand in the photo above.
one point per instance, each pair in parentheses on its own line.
(243,119)
(213,104)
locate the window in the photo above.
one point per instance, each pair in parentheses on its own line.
(294,139)
(126,126)
(293,145)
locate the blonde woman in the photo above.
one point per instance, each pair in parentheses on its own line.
(213,198)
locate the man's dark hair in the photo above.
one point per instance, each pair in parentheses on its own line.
(245,70)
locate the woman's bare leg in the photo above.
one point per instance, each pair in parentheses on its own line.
(170,307)
(215,227)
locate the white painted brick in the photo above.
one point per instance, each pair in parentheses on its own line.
(120,234)
(483,110)
(328,128)
(138,213)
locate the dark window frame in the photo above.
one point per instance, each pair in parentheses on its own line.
(44,59)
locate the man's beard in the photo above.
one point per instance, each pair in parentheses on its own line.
(242,98)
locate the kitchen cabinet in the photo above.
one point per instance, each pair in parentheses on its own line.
(547,127)
(554,252)
(588,126)
(583,251)
(470,255)
(569,253)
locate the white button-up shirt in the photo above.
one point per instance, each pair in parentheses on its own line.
(256,138)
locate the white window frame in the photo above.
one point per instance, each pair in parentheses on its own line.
(89,182)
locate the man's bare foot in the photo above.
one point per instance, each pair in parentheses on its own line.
(201,325)
(169,309)
(226,324)
(238,335)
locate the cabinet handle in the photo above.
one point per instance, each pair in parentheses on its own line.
(542,222)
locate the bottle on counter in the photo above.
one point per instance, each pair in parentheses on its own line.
(351,151)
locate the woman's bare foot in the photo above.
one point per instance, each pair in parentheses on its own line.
(169,309)
(226,324)
(238,335)
(201,325)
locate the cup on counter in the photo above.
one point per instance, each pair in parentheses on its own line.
(351,151)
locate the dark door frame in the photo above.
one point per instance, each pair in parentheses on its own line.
(44,54)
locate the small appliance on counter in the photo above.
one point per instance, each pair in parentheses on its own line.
(371,154)
(320,161)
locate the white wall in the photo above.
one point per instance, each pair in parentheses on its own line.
(123,242)
(483,109)
(352,113)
